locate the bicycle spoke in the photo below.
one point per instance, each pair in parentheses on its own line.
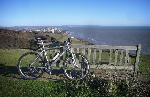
(29,64)
(34,61)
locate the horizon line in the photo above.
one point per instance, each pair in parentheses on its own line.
(80,25)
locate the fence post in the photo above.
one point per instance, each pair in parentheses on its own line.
(138,52)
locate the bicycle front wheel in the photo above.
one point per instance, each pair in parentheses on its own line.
(30,65)
(77,68)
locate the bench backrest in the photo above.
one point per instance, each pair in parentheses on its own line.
(122,57)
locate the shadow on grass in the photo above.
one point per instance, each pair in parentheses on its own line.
(9,71)
(12,71)
(6,70)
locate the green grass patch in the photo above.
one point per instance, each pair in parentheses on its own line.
(28,88)
(9,57)
(65,88)
(64,37)
(145,64)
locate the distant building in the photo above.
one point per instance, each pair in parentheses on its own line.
(53,30)
(44,30)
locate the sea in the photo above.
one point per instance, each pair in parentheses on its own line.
(113,35)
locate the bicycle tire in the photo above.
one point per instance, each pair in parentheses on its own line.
(24,65)
(76,72)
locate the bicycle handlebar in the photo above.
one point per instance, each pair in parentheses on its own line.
(53,42)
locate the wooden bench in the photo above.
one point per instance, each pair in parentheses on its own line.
(111,57)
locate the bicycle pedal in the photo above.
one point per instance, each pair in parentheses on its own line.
(49,72)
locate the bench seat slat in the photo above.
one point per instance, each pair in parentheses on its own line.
(112,67)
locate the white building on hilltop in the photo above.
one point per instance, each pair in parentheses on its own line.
(53,30)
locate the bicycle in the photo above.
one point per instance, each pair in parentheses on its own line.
(33,64)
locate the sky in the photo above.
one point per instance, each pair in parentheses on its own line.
(74,12)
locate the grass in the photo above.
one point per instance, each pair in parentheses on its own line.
(24,88)
(64,37)
(90,88)
(9,57)
(145,65)
(12,86)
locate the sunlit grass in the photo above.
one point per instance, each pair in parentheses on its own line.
(9,57)
(145,65)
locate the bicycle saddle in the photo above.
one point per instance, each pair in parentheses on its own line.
(41,38)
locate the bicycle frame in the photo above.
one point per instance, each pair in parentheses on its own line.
(74,67)
(57,57)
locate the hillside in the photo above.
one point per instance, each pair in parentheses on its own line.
(14,39)
(17,39)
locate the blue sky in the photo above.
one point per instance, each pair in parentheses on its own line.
(75,12)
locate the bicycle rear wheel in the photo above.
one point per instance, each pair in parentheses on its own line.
(77,69)
(30,65)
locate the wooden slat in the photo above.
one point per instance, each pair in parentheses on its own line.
(83,51)
(121,58)
(100,55)
(136,68)
(110,56)
(111,67)
(127,57)
(89,54)
(77,50)
(116,57)
(74,50)
(86,53)
(94,56)
(106,47)
(92,50)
